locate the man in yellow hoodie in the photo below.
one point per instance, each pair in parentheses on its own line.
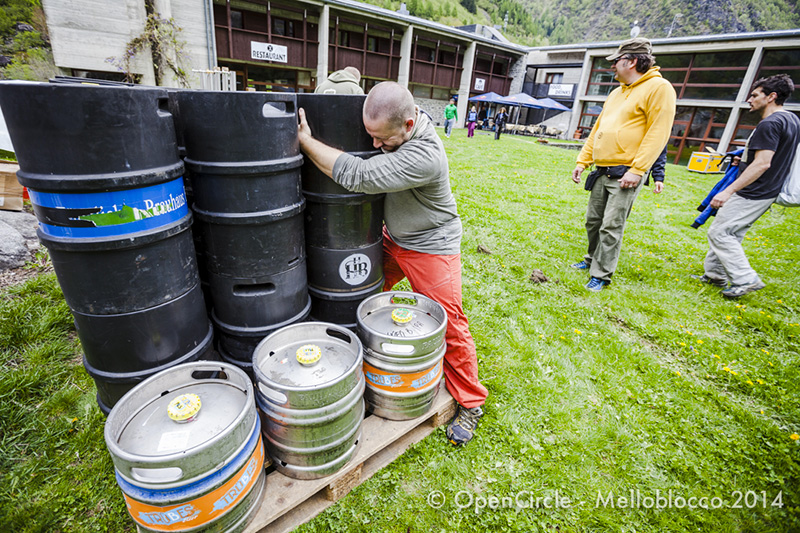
(626,140)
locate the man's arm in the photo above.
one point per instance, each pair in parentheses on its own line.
(320,153)
(754,170)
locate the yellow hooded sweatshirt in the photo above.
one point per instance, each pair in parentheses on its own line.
(634,126)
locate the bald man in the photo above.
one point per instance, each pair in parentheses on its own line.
(422,232)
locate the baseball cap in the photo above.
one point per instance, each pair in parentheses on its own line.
(639,45)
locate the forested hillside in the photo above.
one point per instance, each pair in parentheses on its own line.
(542,22)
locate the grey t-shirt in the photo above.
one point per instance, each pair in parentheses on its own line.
(419,208)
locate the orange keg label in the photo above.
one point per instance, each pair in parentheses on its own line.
(204,509)
(405,382)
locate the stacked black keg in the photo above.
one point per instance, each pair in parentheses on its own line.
(104,176)
(243,160)
(344,230)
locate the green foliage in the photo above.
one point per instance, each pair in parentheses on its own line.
(470,5)
(32,59)
(35,65)
(55,473)
(591,393)
(13,11)
(161,37)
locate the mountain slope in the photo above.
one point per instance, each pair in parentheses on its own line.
(543,22)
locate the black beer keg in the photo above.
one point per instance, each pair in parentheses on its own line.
(244,158)
(105,181)
(344,239)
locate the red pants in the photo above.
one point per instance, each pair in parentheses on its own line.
(439,278)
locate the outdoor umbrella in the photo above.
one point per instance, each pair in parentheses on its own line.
(489,98)
(521,100)
(549,103)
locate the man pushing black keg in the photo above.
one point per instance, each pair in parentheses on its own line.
(422,231)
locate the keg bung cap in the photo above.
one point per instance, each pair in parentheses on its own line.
(184,408)
(402,316)
(308,354)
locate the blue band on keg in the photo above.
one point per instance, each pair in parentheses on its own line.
(156,497)
(109,214)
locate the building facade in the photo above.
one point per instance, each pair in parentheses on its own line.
(712,76)
(292,45)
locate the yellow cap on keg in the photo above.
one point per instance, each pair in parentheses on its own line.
(308,354)
(184,407)
(402,316)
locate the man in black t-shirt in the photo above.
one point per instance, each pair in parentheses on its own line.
(765,164)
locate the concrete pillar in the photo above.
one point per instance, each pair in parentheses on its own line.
(404,70)
(163,8)
(466,81)
(580,90)
(323,29)
(744,93)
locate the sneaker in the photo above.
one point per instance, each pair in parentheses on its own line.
(711,281)
(581,265)
(735,291)
(596,284)
(462,428)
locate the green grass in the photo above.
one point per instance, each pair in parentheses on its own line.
(655,384)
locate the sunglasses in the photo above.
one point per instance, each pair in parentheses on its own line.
(614,62)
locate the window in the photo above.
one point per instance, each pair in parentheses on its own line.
(693,129)
(782,62)
(425,53)
(236,19)
(554,77)
(372,44)
(500,66)
(601,79)
(707,76)
(420,91)
(283,27)
(589,114)
(344,38)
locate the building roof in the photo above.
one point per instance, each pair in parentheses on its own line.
(748,36)
(396,17)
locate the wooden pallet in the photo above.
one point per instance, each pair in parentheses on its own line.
(288,502)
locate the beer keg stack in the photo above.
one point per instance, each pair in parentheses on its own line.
(344,230)
(277,241)
(245,173)
(102,168)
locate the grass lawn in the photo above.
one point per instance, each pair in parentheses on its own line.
(625,408)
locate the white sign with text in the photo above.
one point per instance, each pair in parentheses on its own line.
(268,52)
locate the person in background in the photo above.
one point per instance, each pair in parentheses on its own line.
(450,117)
(422,232)
(345,81)
(500,122)
(626,140)
(472,121)
(765,163)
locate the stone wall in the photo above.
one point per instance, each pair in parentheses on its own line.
(435,108)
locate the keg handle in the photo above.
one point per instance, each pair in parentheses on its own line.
(157,475)
(397,349)
(277,397)
(277,109)
(405,298)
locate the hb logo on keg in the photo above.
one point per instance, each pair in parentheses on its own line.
(355,269)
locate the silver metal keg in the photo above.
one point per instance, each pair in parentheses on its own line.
(187,449)
(404,346)
(310,394)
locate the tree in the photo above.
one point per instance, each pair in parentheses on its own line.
(470,6)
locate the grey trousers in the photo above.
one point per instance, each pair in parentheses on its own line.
(725,259)
(608,209)
(448,126)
